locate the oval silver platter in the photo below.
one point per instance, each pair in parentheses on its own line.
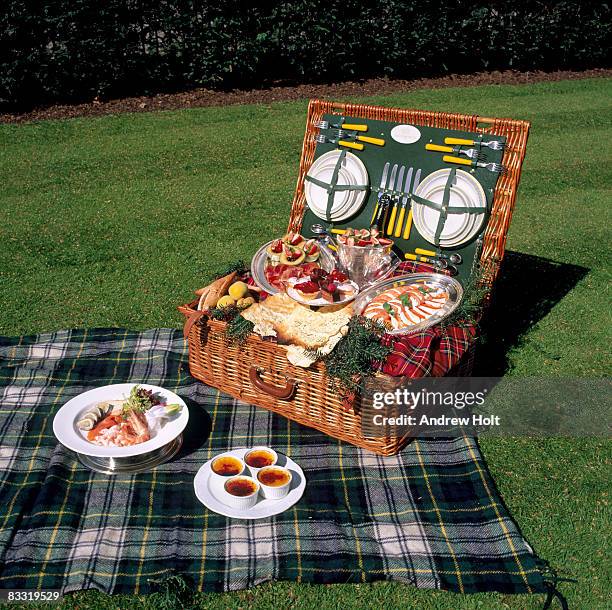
(452,287)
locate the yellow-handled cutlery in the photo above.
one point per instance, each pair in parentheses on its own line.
(472,153)
(453,258)
(325,140)
(395,199)
(418,259)
(493,144)
(415,184)
(492,167)
(342,133)
(381,190)
(350,127)
(404,198)
(439,263)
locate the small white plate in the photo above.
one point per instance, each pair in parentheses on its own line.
(320,302)
(207,490)
(64,422)
(406,134)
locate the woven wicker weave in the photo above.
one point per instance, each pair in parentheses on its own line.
(257,371)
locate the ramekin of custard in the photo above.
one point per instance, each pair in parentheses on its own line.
(241,492)
(275,482)
(257,458)
(227,465)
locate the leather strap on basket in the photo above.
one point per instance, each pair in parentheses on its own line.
(192,318)
(263,386)
(445,209)
(332,187)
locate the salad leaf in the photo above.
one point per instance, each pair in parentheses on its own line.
(140,400)
(405,300)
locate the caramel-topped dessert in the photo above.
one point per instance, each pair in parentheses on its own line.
(259,458)
(241,487)
(274,477)
(227,466)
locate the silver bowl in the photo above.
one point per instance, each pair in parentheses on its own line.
(132,464)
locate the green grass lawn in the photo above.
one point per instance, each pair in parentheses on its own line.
(113,221)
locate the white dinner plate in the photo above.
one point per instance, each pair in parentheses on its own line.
(207,490)
(342,199)
(346,203)
(64,422)
(458,228)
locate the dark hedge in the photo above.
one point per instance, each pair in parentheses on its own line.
(75,50)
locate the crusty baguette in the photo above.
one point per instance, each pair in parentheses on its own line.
(217,289)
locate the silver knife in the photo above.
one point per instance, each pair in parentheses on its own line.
(393,174)
(417,180)
(396,197)
(383,180)
(400,178)
(391,186)
(400,221)
(415,184)
(381,190)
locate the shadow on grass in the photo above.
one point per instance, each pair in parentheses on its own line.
(527,288)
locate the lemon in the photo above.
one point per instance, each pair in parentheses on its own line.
(238,290)
(226,301)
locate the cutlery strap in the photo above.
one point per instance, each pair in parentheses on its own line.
(332,186)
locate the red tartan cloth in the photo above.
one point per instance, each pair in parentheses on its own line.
(431,353)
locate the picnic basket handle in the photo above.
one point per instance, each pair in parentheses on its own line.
(192,318)
(273,390)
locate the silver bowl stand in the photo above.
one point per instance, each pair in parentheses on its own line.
(136,463)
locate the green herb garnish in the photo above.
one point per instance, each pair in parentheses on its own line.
(239,329)
(140,400)
(405,300)
(387,307)
(356,356)
(240,267)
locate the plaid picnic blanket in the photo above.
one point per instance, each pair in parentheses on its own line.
(430,516)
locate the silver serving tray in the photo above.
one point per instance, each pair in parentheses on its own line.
(136,463)
(260,260)
(451,285)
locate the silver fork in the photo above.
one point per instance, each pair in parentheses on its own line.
(494,145)
(472,153)
(492,167)
(321,139)
(327,125)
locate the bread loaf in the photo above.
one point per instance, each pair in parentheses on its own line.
(296,324)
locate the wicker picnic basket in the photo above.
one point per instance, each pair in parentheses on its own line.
(258,372)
